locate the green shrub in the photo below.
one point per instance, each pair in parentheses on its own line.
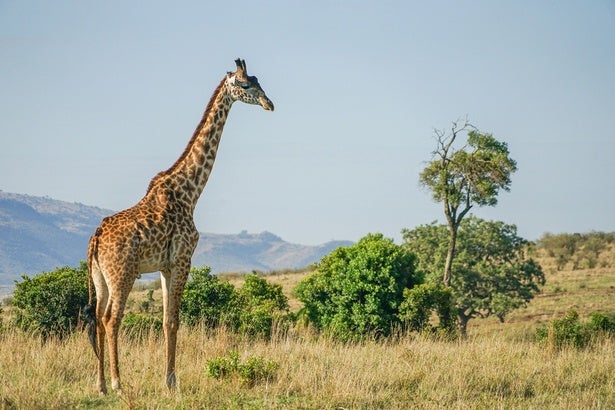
(254,370)
(49,304)
(602,323)
(356,291)
(252,310)
(419,303)
(570,331)
(260,305)
(223,366)
(140,326)
(567,331)
(257,370)
(206,299)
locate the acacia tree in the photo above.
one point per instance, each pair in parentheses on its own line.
(462,178)
(494,276)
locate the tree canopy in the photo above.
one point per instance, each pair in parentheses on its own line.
(493,274)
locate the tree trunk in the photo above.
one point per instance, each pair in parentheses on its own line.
(452,240)
(462,324)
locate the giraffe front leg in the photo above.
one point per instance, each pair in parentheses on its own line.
(172,289)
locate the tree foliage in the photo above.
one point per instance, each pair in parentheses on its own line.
(356,290)
(465,177)
(49,304)
(493,274)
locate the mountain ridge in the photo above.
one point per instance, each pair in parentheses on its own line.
(39,234)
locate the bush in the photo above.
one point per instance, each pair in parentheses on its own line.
(567,331)
(419,303)
(49,304)
(252,310)
(206,299)
(602,323)
(570,331)
(356,291)
(261,304)
(254,370)
(140,326)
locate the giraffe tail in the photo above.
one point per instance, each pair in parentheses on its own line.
(90,320)
(89,311)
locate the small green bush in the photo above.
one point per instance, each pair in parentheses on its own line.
(570,331)
(254,370)
(257,370)
(602,323)
(140,326)
(420,301)
(252,310)
(206,299)
(49,304)
(260,305)
(223,366)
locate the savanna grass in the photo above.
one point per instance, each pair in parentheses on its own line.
(312,372)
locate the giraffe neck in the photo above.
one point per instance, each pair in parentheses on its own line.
(189,174)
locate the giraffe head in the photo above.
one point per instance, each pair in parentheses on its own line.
(245,88)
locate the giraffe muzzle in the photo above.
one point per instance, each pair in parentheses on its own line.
(266,104)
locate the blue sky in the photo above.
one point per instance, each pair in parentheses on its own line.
(96,98)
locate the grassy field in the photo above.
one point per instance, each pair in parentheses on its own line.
(499,366)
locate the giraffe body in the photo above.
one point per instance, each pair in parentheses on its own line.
(158,233)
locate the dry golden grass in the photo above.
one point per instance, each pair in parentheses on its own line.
(499,366)
(313,373)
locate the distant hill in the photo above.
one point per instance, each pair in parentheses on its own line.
(38,234)
(264,252)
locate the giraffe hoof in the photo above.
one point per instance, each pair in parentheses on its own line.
(117,387)
(171,381)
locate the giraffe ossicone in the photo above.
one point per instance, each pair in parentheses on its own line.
(158,233)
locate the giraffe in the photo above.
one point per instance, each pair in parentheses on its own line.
(158,233)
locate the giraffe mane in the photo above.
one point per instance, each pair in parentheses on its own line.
(200,126)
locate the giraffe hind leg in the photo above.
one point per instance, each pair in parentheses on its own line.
(100,337)
(173,283)
(113,328)
(113,318)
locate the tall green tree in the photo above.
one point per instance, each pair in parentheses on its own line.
(461,178)
(493,276)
